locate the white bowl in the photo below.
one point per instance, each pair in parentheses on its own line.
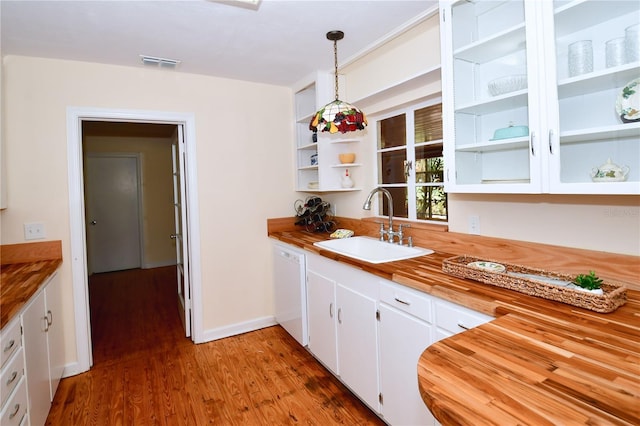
(509,83)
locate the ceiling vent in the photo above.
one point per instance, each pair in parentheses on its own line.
(159,62)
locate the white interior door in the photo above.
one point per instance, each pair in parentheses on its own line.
(180,236)
(113,220)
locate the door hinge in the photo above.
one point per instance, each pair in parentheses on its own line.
(378,314)
(380,398)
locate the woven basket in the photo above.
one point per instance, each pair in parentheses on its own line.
(614,295)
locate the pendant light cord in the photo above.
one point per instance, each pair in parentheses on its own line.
(335,62)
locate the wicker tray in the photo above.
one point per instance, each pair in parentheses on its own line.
(614,295)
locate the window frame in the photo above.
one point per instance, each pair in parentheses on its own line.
(409,149)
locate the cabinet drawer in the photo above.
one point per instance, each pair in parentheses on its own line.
(10,340)
(16,407)
(407,300)
(455,318)
(10,376)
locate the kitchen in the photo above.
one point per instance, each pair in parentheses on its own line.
(37,186)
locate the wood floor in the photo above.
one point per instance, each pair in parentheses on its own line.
(146,373)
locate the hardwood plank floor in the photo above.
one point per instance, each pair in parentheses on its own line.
(147,373)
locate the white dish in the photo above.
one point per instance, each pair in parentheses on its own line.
(628,102)
(487,266)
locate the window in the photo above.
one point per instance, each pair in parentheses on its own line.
(410,162)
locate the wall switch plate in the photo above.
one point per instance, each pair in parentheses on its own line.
(474,224)
(34,231)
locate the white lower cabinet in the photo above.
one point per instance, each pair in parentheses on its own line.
(452,318)
(321,311)
(43,349)
(342,325)
(358,343)
(371,332)
(13,394)
(403,338)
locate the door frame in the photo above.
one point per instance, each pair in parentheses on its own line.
(139,195)
(75,117)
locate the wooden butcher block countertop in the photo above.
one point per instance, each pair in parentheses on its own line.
(25,267)
(539,362)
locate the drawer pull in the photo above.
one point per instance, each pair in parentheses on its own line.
(330,310)
(339,315)
(49,318)
(461,325)
(9,346)
(12,378)
(402,301)
(16,408)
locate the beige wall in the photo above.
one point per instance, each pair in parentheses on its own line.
(245,166)
(157,192)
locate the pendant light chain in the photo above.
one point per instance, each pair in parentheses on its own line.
(335,62)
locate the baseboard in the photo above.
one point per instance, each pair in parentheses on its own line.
(151,265)
(73,369)
(238,328)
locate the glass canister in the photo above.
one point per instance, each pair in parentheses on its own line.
(580,58)
(615,52)
(632,43)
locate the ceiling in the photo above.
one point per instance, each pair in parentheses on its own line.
(279,42)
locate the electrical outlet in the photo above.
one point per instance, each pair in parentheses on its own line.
(34,231)
(474,225)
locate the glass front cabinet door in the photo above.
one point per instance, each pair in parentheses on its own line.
(541,96)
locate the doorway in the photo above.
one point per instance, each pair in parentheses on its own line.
(79,265)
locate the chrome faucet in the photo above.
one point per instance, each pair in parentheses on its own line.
(390,233)
(367,206)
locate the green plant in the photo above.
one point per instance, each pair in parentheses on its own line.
(590,282)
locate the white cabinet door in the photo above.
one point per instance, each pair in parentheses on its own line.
(34,325)
(358,344)
(584,127)
(403,338)
(487,57)
(546,129)
(55,332)
(321,308)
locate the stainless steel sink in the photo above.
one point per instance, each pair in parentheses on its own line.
(371,250)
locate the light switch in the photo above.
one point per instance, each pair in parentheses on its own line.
(34,231)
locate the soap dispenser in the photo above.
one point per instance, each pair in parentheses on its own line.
(347,182)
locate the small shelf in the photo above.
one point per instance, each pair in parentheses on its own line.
(345,141)
(500,145)
(606,79)
(309,147)
(580,14)
(347,165)
(617,131)
(494,47)
(508,101)
(314,167)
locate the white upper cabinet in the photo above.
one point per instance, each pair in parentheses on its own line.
(516,120)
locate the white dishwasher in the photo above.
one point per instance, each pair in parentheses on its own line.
(290,290)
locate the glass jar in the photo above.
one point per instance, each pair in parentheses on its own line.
(615,52)
(632,43)
(580,58)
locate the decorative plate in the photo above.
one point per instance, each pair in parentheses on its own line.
(487,266)
(628,102)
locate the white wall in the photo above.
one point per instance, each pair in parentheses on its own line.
(244,140)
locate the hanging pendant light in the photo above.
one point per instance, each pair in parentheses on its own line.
(337,116)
